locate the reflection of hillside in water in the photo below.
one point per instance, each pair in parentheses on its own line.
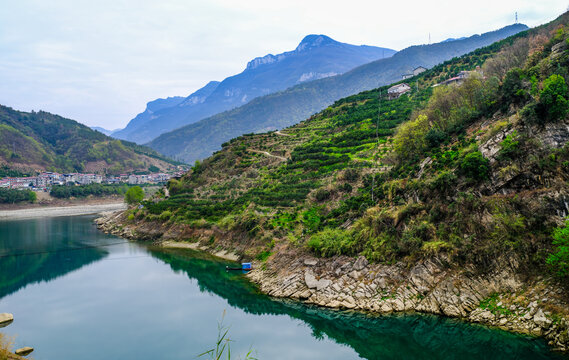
(37,250)
(385,337)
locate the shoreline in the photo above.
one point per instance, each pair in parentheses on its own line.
(502,298)
(56,211)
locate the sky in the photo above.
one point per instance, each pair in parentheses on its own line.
(100,62)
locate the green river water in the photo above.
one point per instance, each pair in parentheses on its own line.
(77,293)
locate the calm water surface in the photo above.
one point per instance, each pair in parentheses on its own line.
(77,293)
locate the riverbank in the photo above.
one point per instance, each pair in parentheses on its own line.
(53,211)
(502,297)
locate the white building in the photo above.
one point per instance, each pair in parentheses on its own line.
(397,90)
(416,71)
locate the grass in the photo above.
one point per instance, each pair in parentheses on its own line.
(5,347)
(222,347)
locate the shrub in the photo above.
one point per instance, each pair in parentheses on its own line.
(559,259)
(529,113)
(474,166)
(134,195)
(321,195)
(311,219)
(165,216)
(350,175)
(509,146)
(330,242)
(345,188)
(513,89)
(436,137)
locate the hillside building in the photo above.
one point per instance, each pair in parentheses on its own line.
(416,71)
(397,90)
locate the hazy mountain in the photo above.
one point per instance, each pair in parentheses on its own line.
(103,130)
(285,108)
(316,57)
(39,141)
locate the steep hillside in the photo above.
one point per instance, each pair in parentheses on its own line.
(40,141)
(316,57)
(450,199)
(275,111)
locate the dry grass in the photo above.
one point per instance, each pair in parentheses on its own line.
(5,347)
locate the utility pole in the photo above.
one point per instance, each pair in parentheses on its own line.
(377,142)
(516,18)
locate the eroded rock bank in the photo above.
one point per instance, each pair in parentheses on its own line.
(502,297)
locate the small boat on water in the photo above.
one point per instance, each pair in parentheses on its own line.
(244,267)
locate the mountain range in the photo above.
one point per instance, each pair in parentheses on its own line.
(288,107)
(316,57)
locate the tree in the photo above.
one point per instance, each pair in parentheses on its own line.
(559,260)
(474,166)
(134,195)
(409,142)
(553,97)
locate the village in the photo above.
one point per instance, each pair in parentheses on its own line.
(45,180)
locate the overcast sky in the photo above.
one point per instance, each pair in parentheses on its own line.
(99,62)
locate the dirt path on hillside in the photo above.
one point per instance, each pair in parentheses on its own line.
(268,154)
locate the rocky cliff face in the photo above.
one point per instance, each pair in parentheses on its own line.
(502,297)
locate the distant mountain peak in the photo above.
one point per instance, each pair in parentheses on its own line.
(312,41)
(309,42)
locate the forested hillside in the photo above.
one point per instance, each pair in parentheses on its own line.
(39,141)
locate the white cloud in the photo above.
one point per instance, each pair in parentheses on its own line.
(99,62)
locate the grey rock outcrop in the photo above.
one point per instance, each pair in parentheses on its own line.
(24,351)
(6,319)
(429,287)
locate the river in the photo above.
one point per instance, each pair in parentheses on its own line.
(77,293)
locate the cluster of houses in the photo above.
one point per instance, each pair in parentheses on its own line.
(397,90)
(47,179)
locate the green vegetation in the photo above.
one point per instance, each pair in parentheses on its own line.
(43,140)
(459,170)
(553,98)
(493,304)
(222,348)
(559,259)
(6,171)
(65,191)
(10,196)
(474,166)
(134,195)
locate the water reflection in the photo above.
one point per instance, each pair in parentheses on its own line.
(64,318)
(380,337)
(37,250)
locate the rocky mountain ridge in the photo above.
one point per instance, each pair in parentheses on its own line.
(317,56)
